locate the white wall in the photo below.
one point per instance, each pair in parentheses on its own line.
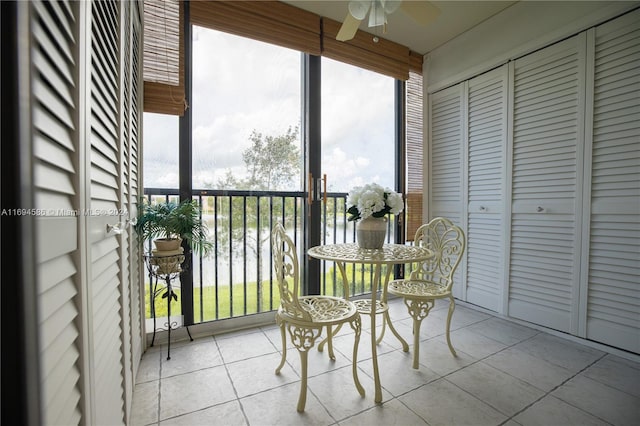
(520,29)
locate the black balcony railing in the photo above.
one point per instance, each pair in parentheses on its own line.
(236,279)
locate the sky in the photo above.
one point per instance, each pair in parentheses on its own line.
(241,85)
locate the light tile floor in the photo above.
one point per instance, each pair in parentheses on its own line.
(504,374)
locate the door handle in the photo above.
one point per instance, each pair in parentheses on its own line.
(314,189)
(324,192)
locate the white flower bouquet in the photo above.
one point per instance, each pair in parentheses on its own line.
(373,200)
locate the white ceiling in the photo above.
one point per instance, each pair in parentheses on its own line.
(455,18)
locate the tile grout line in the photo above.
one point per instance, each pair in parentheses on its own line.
(397,398)
(444,376)
(556,387)
(159,387)
(233,386)
(190,372)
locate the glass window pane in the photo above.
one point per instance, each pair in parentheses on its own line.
(358,141)
(245,94)
(160,161)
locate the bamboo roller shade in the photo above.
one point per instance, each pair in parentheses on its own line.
(269,21)
(163,57)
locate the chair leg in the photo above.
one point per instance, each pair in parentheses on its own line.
(452,306)
(356,325)
(284,345)
(405,345)
(326,339)
(302,399)
(417,322)
(303,339)
(419,310)
(329,340)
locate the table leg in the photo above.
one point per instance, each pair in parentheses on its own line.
(345,279)
(387,319)
(374,347)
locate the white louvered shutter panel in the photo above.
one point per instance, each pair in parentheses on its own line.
(125,161)
(445,173)
(548,135)
(130,117)
(446,161)
(130,313)
(613,305)
(134,179)
(104,191)
(487,125)
(54,54)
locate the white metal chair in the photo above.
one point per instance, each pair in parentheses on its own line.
(433,279)
(305,316)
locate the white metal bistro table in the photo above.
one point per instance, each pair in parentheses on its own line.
(389,254)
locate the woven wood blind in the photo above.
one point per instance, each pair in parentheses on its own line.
(415,62)
(163,57)
(384,56)
(414,151)
(269,21)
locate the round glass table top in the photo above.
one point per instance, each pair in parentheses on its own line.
(388,254)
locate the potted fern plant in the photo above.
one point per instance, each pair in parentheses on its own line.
(169,223)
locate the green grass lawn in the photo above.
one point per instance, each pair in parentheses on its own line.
(269,301)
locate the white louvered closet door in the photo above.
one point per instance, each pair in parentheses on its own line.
(129,258)
(56,143)
(104,198)
(613,302)
(446,159)
(547,172)
(486,159)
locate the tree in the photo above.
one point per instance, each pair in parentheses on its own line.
(273,162)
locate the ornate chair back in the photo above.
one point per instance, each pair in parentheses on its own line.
(285,257)
(447,241)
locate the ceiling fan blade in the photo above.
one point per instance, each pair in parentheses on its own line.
(423,12)
(348,29)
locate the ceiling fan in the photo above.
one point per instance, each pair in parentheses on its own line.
(422,12)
